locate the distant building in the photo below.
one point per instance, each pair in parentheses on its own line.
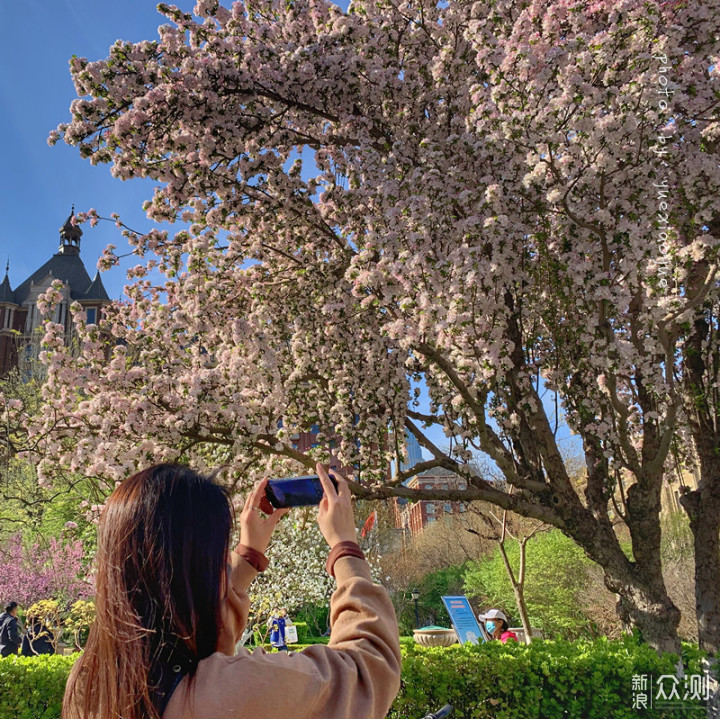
(415,516)
(307,440)
(413,450)
(414,457)
(19,314)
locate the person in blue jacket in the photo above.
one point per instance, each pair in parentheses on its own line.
(10,636)
(277,624)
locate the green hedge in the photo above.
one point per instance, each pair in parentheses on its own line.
(32,687)
(572,680)
(575,680)
(305,634)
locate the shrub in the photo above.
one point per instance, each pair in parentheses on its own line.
(47,613)
(304,633)
(432,587)
(316,616)
(79,620)
(32,687)
(545,680)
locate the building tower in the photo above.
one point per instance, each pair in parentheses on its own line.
(19,314)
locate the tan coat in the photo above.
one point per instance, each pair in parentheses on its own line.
(355,677)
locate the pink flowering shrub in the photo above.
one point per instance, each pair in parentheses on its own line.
(49,570)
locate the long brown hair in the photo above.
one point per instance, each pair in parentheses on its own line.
(162,549)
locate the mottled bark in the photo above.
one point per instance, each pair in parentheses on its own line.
(703,508)
(701,365)
(643,599)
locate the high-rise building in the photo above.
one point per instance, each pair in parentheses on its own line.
(413,450)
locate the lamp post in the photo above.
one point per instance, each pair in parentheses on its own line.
(415,594)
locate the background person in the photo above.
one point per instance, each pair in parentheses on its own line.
(277,624)
(171,602)
(10,636)
(496,625)
(38,639)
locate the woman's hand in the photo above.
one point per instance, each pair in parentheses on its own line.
(335,514)
(256,530)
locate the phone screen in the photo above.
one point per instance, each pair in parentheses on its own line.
(295,491)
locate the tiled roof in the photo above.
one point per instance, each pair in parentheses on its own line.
(96,291)
(71,270)
(437,472)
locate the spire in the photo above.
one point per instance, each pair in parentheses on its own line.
(96,290)
(70,235)
(6,292)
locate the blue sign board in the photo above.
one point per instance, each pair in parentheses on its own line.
(463,620)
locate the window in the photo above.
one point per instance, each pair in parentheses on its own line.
(448,507)
(431,519)
(428,486)
(430,508)
(91,315)
(463,507)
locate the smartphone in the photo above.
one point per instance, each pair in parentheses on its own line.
(295,491)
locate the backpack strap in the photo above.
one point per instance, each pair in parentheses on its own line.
(170,664)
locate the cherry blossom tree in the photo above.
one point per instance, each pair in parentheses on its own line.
(507,201)
(53,569)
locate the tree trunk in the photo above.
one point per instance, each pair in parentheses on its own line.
(641,605)
(700,371)
(518,586)
(643,599)
(520,596)
(703,508)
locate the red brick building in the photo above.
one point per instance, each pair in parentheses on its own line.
(19,315)
(415,516)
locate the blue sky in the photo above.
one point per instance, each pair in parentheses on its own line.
(39,183)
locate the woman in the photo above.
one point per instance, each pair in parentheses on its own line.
(277,624)
(496,625)
(9,630)
(172,602)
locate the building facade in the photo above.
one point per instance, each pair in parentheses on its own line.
(20,317)
(415,516)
